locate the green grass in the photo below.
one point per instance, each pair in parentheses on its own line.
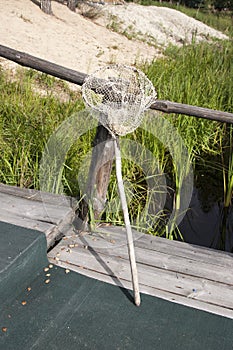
(200,74)
(27,120)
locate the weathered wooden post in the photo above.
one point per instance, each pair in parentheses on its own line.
(99,175)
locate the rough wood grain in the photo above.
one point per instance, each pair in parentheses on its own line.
(37,195)
(99,174)
(196,280)
(49,213)
(164,260)
(195,111)
(218,310)
(191,251)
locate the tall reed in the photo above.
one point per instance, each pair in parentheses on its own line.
(200,74)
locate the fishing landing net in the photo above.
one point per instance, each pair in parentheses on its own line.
(120,94)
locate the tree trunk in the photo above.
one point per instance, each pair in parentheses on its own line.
(71,4)
(46,6)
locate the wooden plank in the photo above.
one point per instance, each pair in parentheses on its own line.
(34,210)
(49,213)
(163,260)
(14,219)
(194,276)
(191,283)
(162,279)
(38,195)
(176,248)
(151,291)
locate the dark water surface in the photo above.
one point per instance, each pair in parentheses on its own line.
(205,227)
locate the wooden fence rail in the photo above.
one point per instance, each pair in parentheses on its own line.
(78,78)
(98,179)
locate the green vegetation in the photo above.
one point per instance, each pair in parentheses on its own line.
(202,75)
(27,120)
(199,74)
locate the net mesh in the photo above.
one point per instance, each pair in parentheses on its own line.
(121,94)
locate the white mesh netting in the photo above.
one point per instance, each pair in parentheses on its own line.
(121,94)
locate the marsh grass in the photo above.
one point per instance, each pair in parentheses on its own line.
(228,174)
(199,74)
(27,120)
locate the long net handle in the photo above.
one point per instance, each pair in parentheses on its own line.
(131,251)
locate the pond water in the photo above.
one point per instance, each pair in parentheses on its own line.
(205,227)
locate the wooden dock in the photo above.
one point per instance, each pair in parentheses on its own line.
(179,272)
(45,212)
